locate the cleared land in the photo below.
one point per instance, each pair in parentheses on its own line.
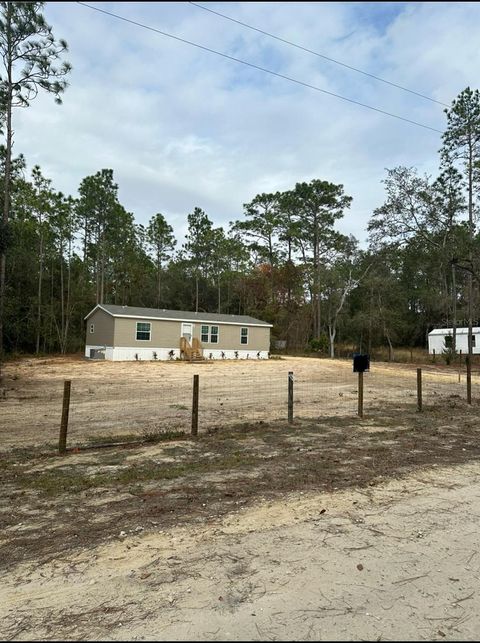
(332,527)
(138,398)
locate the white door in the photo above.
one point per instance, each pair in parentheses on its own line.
(187,330)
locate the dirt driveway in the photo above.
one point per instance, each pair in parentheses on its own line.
(331,528)
(397,562)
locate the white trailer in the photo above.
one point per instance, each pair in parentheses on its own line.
(440,338)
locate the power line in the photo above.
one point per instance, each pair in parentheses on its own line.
(315,53)
(264,69)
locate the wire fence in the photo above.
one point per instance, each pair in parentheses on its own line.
(146,401)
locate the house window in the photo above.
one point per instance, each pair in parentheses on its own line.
(143,331)
(473,341)
(213,334)
(209,334)
(244,336)
(92,328)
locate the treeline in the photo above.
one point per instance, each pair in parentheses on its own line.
(283,261)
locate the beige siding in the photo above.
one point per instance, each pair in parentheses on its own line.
(121,332)
(164,334)
(103,329)
(229,337)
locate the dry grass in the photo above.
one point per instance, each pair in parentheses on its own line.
(191,480)
(140,401)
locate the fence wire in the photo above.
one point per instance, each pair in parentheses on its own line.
(322,394)
(138,407)
(143,399)
(250,399)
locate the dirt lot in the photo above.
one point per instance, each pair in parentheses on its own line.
(134,398)
(333,527)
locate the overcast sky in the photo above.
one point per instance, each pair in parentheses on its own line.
(181,127)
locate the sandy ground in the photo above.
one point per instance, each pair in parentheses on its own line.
(400,561)
(133,398)
(330,528)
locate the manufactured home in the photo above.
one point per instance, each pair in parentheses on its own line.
(131,333)
(441,338)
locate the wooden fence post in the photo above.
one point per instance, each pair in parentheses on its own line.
(62,443)
(419,390)
(195,405)
(290,397)
(360,394)
(434,355)
(469,379)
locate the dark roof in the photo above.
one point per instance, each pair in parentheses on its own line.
(182,315)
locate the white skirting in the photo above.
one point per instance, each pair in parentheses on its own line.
(230,354)
(162,354)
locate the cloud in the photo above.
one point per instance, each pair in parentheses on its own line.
(182,127)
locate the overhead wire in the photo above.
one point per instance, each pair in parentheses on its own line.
(259,68)
(316,53)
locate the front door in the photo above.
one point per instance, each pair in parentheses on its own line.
(187,330)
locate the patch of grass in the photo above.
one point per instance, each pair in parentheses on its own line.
(219,471)
(22,456)
(175,451)
(115,459)
(113,439)
(55,482)
(64,481)
(180,407)
(148,436)
(152,436)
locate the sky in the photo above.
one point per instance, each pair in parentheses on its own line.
(184,128)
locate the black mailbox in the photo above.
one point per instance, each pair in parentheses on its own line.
(361,363)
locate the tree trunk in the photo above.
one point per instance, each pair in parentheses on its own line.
(289,276)
(369,349)
(39,289)
(67,303)
(159,281)
(470,254)
(196,292)
(391,356)
(6,202)
(51,332)
(454,310)
(332,331)
(97,265)
(62,298)
(316,282)
(270,252)
(102,274)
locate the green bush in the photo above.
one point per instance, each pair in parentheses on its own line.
(319,344)
(449,354)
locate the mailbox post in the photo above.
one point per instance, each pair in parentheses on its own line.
(361,363)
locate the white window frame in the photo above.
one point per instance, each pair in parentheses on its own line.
(143,331)
(242,336)
(217,334)
(185,326)
(92,328)
(202,334)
